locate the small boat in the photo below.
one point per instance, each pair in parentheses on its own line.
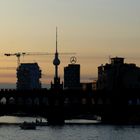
(28,125)
(40,123)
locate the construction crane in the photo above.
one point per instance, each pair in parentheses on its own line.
(19,54)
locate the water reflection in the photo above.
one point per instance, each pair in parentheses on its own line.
(68,131)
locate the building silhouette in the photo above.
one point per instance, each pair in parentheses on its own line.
(118,75)
(56,62)
(72,76)
(28,75)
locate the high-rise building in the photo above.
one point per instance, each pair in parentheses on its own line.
(28,75)
(72,76)
(118,75)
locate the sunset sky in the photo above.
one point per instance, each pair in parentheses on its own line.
(94,29)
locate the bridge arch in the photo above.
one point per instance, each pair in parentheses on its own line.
(20,101)
(29,102)
(3,100)
(36,101)
(45,101)
(11,100)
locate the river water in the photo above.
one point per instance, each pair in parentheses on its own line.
(81,131)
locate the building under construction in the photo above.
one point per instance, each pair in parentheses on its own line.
(28,76)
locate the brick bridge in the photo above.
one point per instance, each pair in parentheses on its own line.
(56,106)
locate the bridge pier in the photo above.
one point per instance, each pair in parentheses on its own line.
(55,116)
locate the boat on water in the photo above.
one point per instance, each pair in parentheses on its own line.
(41,123)
(28,125)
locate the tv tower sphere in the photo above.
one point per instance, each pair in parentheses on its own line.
(56,60)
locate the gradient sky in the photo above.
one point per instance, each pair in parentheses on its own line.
(94,29)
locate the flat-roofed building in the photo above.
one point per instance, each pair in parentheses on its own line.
(72,76)
(118,75)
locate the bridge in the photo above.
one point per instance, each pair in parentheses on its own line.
(59,105)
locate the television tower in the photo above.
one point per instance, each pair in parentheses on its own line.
(56,63)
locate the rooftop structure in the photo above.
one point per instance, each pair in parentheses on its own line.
(117,60)
(28,75)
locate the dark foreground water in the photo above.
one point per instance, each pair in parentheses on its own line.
(69,132)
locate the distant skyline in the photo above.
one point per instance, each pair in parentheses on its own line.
(94,29)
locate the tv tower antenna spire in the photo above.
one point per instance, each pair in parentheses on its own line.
(56,39)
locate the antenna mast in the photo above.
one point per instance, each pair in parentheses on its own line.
(56,39)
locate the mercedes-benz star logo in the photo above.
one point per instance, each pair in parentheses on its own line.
(73,60)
